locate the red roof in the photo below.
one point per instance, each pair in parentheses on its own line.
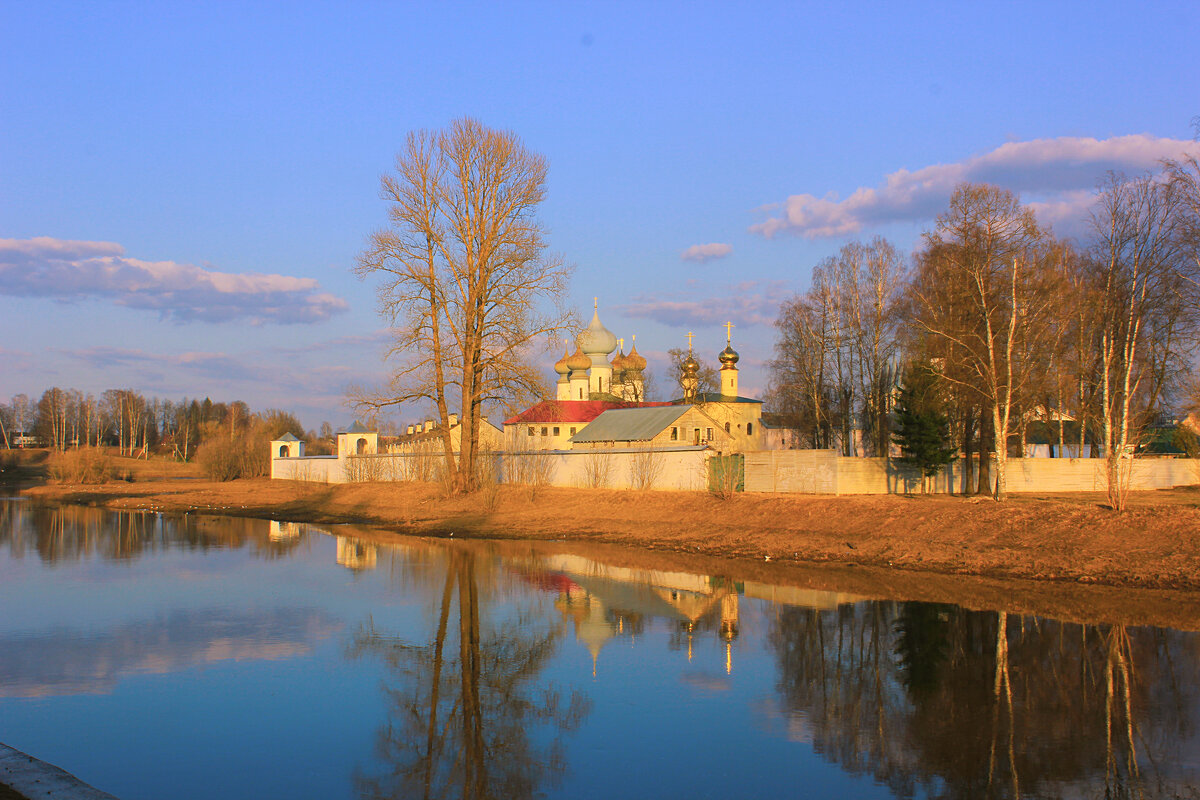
(571,410)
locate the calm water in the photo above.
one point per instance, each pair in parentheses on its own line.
(178,657)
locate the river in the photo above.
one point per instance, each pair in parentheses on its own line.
(193,656)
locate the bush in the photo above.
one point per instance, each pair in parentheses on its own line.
(85,465)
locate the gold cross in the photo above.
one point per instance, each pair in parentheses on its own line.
(596,303)
(690,335)
(728,331)
(621,342)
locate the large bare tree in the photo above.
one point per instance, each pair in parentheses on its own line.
(1139,259)
(985,293)
(834,367)
(466,282)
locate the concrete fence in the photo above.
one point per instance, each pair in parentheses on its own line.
(681,468)
(686,468)
(825,472)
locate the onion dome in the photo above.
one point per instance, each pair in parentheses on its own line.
(728,356)
(578,362)
(618,361)
(690,365)
(635,360)
(561,366)
(597,340)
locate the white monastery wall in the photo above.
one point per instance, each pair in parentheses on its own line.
(677,469)
(824,472)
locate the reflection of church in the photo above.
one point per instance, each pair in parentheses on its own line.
(605,603)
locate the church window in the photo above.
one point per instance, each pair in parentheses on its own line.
(727,427)
(556,430)
(674,434)
(710,434)
(749,428)
(544,431)
(572,430)
(531,430)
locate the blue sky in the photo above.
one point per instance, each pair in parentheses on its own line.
(184,186)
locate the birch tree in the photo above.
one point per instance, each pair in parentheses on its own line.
(985,290)
(465,280)
(1137,252)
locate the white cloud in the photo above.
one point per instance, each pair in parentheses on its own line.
(706,252)
(1056,176)
(77,270)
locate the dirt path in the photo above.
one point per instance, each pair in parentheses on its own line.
(1059,538)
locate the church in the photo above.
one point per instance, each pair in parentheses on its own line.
(606,393)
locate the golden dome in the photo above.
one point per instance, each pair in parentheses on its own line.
(561,366)
(635,360)
(578,362)
(728,356)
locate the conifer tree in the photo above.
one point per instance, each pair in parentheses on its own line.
(921,429)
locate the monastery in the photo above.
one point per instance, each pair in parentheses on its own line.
(600,403)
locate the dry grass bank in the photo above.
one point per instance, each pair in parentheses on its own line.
(1062,538)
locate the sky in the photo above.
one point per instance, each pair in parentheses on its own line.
(184,187)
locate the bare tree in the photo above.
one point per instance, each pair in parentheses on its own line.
(465,278)
(984,292)
(1137,252)
(834,366)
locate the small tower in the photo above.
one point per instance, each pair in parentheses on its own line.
(618,372)
(563,390)
(357,440)
(689,377)
(635,363)
(578,365)
(287,446)
(597,343)
(729,370)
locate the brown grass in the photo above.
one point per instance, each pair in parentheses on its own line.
(1061,538)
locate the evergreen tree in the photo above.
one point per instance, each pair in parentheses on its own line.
(920,428)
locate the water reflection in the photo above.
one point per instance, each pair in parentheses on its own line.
(57,534)
(482,670)
(464,706)
(66,661)
(935,700)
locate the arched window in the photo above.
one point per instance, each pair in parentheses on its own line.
(362,446)
(283,451)
(749,428)
(727,427)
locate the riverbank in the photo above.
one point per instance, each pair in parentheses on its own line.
(1061,538)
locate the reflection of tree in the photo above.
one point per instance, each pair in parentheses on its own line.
(953,703)
(74,533)
(462,717)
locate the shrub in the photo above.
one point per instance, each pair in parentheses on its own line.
(85,465)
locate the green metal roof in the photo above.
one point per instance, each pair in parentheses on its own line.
(630,424)
(717,397)
(358,427)
(288,437)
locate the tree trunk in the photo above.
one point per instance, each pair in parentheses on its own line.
(985,462)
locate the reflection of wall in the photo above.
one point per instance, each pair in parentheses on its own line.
(355,553)
(74,662)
